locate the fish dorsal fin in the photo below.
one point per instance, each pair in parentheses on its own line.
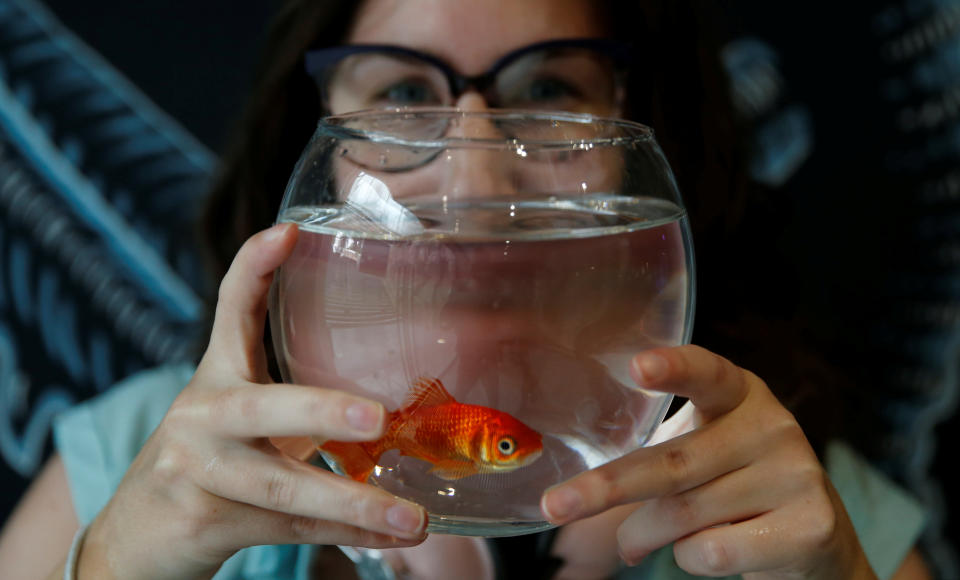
(427,392)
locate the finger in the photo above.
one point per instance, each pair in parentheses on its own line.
(237,335)
(714,384)
(772,541)
(301,448)
(255,526)
(282,410)
(715,387)
(719,501)
(666,469)
(281,484)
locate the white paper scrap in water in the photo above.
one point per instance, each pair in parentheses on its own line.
(371,198)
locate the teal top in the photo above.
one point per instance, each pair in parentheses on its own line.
(99,439)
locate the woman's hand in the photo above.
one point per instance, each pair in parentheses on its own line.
(209,482)
(741,492)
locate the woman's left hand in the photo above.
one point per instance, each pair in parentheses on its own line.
(742,492)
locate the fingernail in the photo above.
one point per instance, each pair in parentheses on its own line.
(363,417)
(631,560)
(650,367)
(562,504)
(275,232)
(405,518)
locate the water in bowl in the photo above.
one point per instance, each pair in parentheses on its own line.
(532,309)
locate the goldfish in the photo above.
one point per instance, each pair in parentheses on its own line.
(458,439)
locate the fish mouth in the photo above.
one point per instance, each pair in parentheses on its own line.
(522,462)
(530,458)
(533,457)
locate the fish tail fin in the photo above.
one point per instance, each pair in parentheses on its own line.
(357,460)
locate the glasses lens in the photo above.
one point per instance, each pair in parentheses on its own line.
(400,141)
(388,140)
(375,80)
(573,79)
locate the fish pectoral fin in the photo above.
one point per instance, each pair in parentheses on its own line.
(353,459)
(451,470)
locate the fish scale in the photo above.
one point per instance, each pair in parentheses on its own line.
(432,429)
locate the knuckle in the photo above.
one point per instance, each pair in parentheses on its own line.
(809,475)
(722,370)
(715,557)
(361,511)
(607,483)
(704,556)
(224,296)
(779,424)
(371,539)
(679,365)
(280,490)
(322,404)
(223,291)
(172,463)
(786,422)
(682,509)
(218,407)
(820,526)
(746,381)
(233,404)
(180,415)
(747,377)
(675,467)
(305,527)
(248,408)
(629,549)
(198,519)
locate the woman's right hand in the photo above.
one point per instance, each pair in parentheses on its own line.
(208,482)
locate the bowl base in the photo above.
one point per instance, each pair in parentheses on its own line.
(483,527)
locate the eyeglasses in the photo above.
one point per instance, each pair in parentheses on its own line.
(581,75)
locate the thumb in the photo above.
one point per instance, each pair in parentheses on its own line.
(236,341)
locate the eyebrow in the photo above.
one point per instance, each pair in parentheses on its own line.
(318,59)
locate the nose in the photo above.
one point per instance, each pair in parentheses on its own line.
(478,126)
(474,171)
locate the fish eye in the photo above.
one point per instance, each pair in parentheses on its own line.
(507,446)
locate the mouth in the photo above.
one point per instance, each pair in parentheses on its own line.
(531,457)
(522,462)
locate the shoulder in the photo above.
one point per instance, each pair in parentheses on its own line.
(888,520)
(99,438)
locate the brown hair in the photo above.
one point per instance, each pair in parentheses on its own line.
(278,120)
(678,89)
(677,86)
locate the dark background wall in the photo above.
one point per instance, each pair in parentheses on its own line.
(876,223)
(194,59)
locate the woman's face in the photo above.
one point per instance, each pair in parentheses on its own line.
(471,36)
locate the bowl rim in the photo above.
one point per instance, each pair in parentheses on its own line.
(343,127)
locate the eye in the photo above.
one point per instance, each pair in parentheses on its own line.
(507,446)
(409,92)
(550,89)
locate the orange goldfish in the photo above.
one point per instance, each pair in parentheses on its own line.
(458,439)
